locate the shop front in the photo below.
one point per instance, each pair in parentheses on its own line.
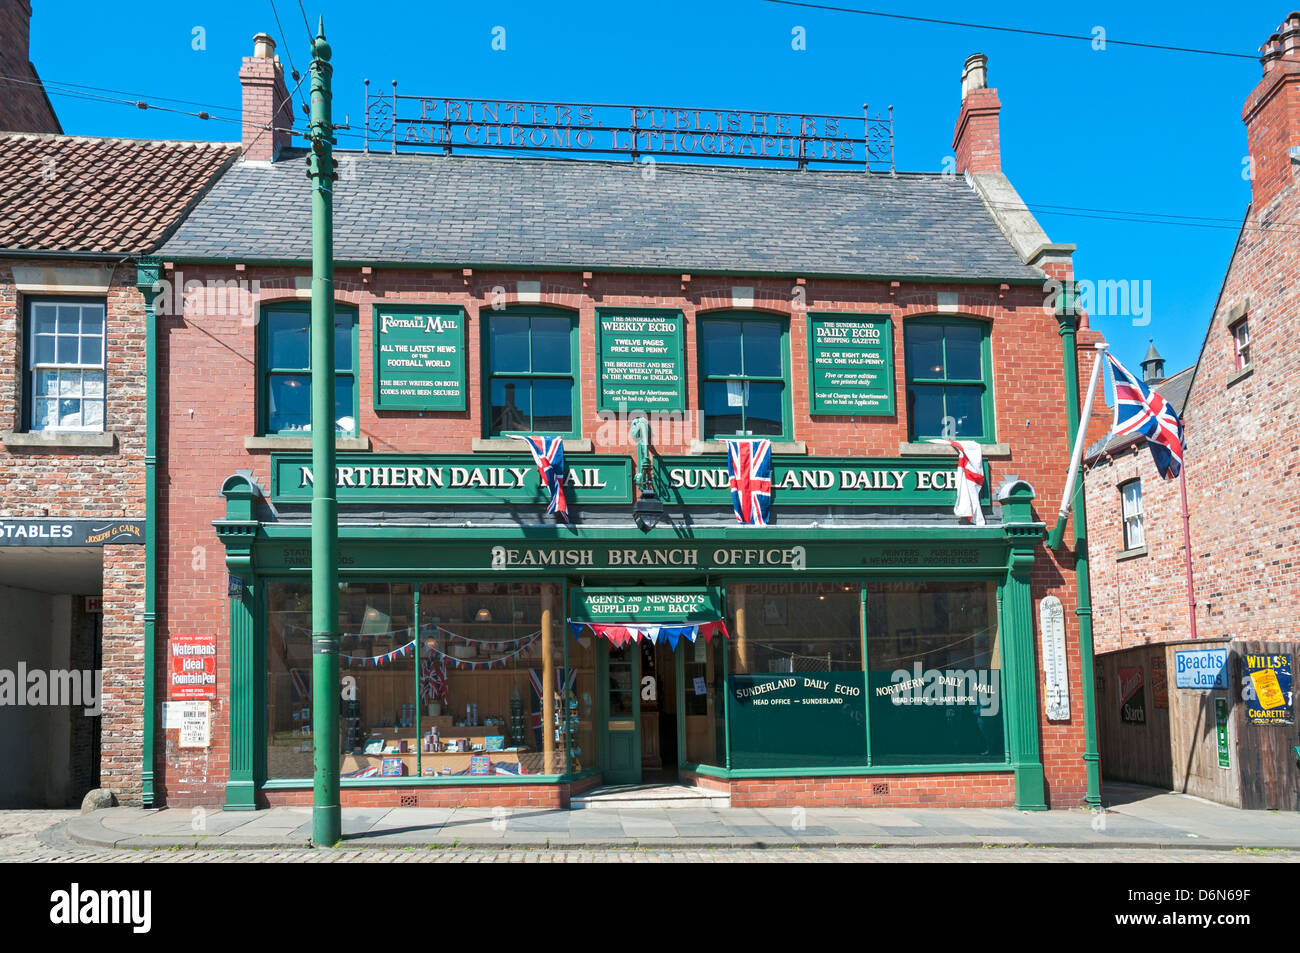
(864,640)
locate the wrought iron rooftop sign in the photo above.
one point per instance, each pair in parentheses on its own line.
(417,123)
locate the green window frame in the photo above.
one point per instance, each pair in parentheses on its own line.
(937,355)
(523,353)
(284,365)
(741,375)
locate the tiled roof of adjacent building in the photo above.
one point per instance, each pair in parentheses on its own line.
(1173,389)
(79,194)
(548,213)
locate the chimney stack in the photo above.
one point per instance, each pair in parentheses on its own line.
(266,102)
(975,141)
(1272,114)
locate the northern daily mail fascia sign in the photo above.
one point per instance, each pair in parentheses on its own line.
(1201,668)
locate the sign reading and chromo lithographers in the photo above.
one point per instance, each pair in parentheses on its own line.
(851,360)
(642,366)
(419,359)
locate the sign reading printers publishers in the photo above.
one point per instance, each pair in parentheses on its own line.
(641,359)
(851,362)
(419,359)
(192,671)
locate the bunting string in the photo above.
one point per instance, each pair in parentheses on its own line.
(372,661)
(620,635)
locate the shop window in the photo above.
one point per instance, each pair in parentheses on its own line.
(797,689)
(1241,344)
(284,352)
(704,698)
(1131,509)
(949,391)
(935,679)
(454,693)
(531,360)
(744,376)
(65,364)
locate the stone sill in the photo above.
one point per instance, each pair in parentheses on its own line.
(991,451)
(1241,375)
(281,444)
(698,447)
(512,445)
(58,440)
(1131,554)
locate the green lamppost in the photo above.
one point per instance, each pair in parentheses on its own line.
(326,819)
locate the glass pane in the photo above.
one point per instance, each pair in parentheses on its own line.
(92,319)
(290,403)
(966,407)
(43,318)
(925,410)
(288,336)
(69,384)
(93,383)
(762,342)
(964,362)
(93,413)
(551,354)
(935,680)
(720,341)
(508,343)
(924,351)
(47,383)
(46,414)
(344,396)
(763,410)
(66,352)
(43,349)
(343,343)
(70,414)
(511,405)
(552,406)
(92,350)
(721,409)
(69,319)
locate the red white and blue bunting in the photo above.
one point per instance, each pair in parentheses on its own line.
(372,661)
(524,643)
(620,635)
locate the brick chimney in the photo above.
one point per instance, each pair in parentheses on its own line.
(24,106)
(1272,114)
(975,141)
(266,102)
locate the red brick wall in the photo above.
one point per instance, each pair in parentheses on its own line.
(209,366)
(916,790)
(975,141)
(23,107)
(449,795)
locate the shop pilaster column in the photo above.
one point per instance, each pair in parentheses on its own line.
(741,633)
(1016,627)
(548,681)
(247,759)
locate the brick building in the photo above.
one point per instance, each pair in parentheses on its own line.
(76,214)
(25,107)
(493,654)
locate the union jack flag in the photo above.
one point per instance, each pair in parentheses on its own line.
(433,681)
(564,684)
(548,454)
(749,474)
(1140,410)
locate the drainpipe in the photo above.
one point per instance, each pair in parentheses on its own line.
(1083,609)
(148,273)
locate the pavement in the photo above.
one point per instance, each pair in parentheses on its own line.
(1135,819)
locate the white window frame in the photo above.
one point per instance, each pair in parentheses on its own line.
(77,370)
(1132,516)
(1241,344)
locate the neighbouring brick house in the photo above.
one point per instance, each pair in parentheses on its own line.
(1240,405)
(76,215)
(24,107)
(493,655)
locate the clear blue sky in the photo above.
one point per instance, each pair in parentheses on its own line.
(1125,129)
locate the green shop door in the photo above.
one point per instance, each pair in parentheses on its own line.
(622,714)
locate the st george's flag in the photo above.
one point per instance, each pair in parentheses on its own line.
(749,474)
(1140,410)
(548,454)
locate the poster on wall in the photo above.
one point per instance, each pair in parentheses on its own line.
(192,667)
(1266,689)
(1159,682)
(851,363)
(1221,730)
(1204,669)
(195,725)
(1132,696)
(642,363)
(419,359)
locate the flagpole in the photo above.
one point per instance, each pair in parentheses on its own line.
(1076,457)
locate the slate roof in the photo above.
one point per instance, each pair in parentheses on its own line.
(1173,389)
(74,193)
(473,211)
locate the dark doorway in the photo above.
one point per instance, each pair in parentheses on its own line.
(658,713)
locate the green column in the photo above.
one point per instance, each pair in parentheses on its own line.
(326,813)
(247,753)
(147,278)
(1016,631)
